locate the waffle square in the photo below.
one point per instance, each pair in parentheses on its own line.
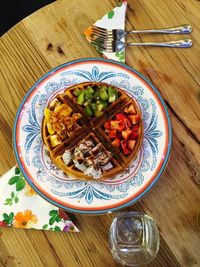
(92,131)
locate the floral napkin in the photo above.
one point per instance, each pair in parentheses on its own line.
(21,207)
(115,19)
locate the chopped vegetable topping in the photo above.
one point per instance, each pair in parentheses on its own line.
(123,129)
(96,100)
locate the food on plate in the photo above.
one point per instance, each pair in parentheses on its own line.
(94,100)
(124,129)
(92,131)
(88,157)
(61,121)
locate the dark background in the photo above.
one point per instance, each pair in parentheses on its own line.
(12,11)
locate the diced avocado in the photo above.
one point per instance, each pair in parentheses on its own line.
(88,111)
(110,90)
(76,92)
(86,103)
(96,95)
(116,94)
(103,94)
(103,88)
(111,94)
(100,107)
(88,95)
(90,90)
(112,97)
(93,105)
(98,113)
(81,98)
(105,104)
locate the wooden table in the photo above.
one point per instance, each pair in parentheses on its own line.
(52,36)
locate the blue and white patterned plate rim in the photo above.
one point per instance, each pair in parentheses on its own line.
(102,210)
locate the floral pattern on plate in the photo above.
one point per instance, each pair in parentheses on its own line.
(82,196)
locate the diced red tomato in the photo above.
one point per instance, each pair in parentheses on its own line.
(121,116)
(134,118)
(135,127)
(122,126)
(131,144)
(113,134)
(127,123)
(134,135)
(126,133)
(107,125)
(124,144)
(130,109)
(126,151)
(123,119)
(125,148)
(114,124)
(116,142)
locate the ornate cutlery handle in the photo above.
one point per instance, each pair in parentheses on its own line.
(176,44)
(184,29)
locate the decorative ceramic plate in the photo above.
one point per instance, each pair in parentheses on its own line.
(91,197)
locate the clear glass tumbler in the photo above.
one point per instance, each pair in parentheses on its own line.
(133,238)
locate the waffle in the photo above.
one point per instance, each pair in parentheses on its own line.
(95,144)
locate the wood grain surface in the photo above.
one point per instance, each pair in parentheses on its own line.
(52,36)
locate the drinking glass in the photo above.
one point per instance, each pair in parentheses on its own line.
(133,238)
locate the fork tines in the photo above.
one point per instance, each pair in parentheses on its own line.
(102,32)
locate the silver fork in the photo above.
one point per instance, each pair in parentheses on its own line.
(110,45)
(118,34)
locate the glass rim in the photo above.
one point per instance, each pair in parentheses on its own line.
(131,213)
(128,213)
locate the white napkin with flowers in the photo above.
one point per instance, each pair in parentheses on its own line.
(115,19)
(22,207)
